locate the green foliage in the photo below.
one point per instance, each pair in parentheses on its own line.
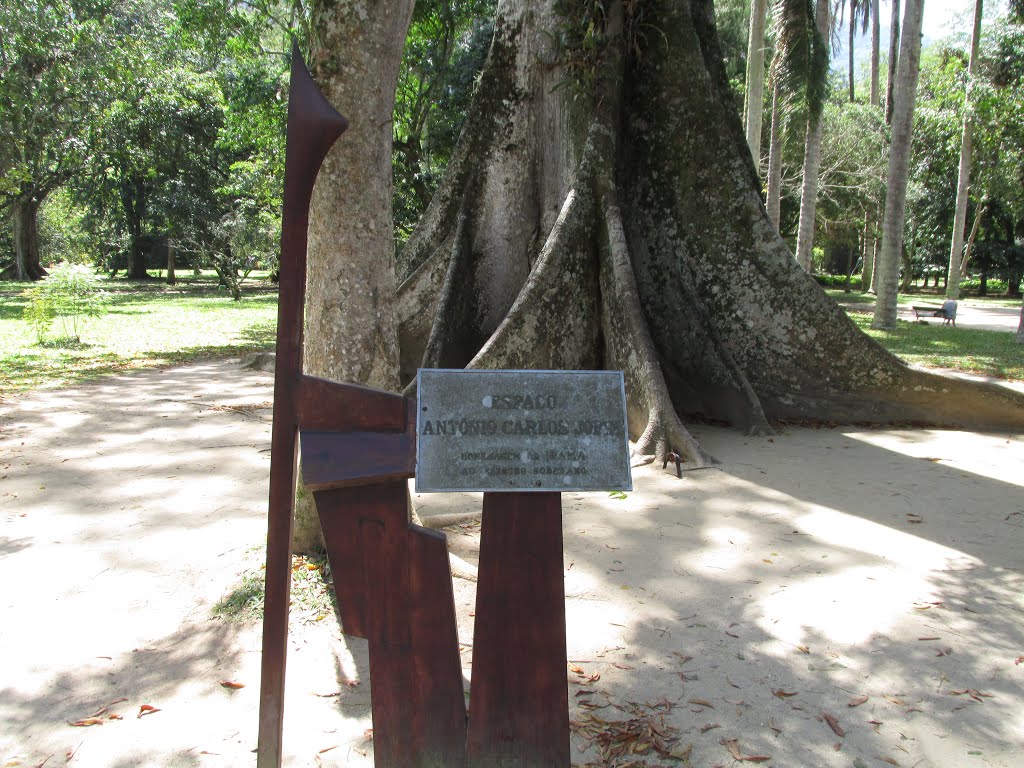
(444,53)
(838,281)
(800,63)
(71,294)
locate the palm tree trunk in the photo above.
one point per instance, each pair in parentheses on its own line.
(775,158)
(812,160)
(894,41)
(754,109)
(873,95)
(849,46)
(964,173)
(899,166)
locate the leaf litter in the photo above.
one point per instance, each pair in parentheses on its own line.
(623,743)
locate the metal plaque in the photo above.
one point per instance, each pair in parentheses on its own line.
(521,431)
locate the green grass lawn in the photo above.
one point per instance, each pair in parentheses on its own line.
(149,325)
(993,353)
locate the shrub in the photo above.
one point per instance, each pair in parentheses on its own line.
(71,294)
(838,281)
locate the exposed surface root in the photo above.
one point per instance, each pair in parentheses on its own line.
(628,345)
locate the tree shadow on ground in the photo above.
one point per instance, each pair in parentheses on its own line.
(797,593)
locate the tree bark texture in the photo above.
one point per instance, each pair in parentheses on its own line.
(350,323)
(899,166)
(624,228)
(812,160)
(754,110)
(963,179)
(26,239)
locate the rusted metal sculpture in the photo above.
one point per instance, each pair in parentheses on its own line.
(392,578)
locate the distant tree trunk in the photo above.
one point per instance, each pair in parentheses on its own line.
(774,195)
(170,261)
(964,172)
(969,249)
(899,167)
(868,250)
(351,327)
(812,161)
(133,201)
(1020,327)
(852,34)
(754,105)
(894,44)
(873,93)
(26,238)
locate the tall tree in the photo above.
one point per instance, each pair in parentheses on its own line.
(897,175)
(894,45)
(870,240)
(351,330)
(812,154)
(754,104)
(57,69)
(964,171)
(617,221)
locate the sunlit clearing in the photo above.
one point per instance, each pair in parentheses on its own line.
(996,456)
(851,532)
(845,607)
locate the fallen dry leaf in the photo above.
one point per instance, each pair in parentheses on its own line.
(833,723)
(87,721)
(1019,660)
(578,670)
(709,727)
(943,651)
(784,694)
(621,666)
(327,749)
(733,746)
(803,649)
(930,637)
(888,760)
(973,693)
(894,700)
(232,684)
(701,703)
(147,709)
(857,701)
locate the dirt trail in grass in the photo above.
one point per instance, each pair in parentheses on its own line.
(870,577)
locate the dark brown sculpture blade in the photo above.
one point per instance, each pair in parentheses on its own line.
(313,126)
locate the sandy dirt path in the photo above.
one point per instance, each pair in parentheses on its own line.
(742,606)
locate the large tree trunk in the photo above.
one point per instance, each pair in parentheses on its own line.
(812,159)
(899,167)
(964,173)
(754,110)
(351,326)
(624,228)
(851,36)
(26,238)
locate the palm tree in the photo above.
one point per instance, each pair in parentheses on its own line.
(964,175)
(894,41)
(860,13)
(899,165)
(812,148)
(754,105)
